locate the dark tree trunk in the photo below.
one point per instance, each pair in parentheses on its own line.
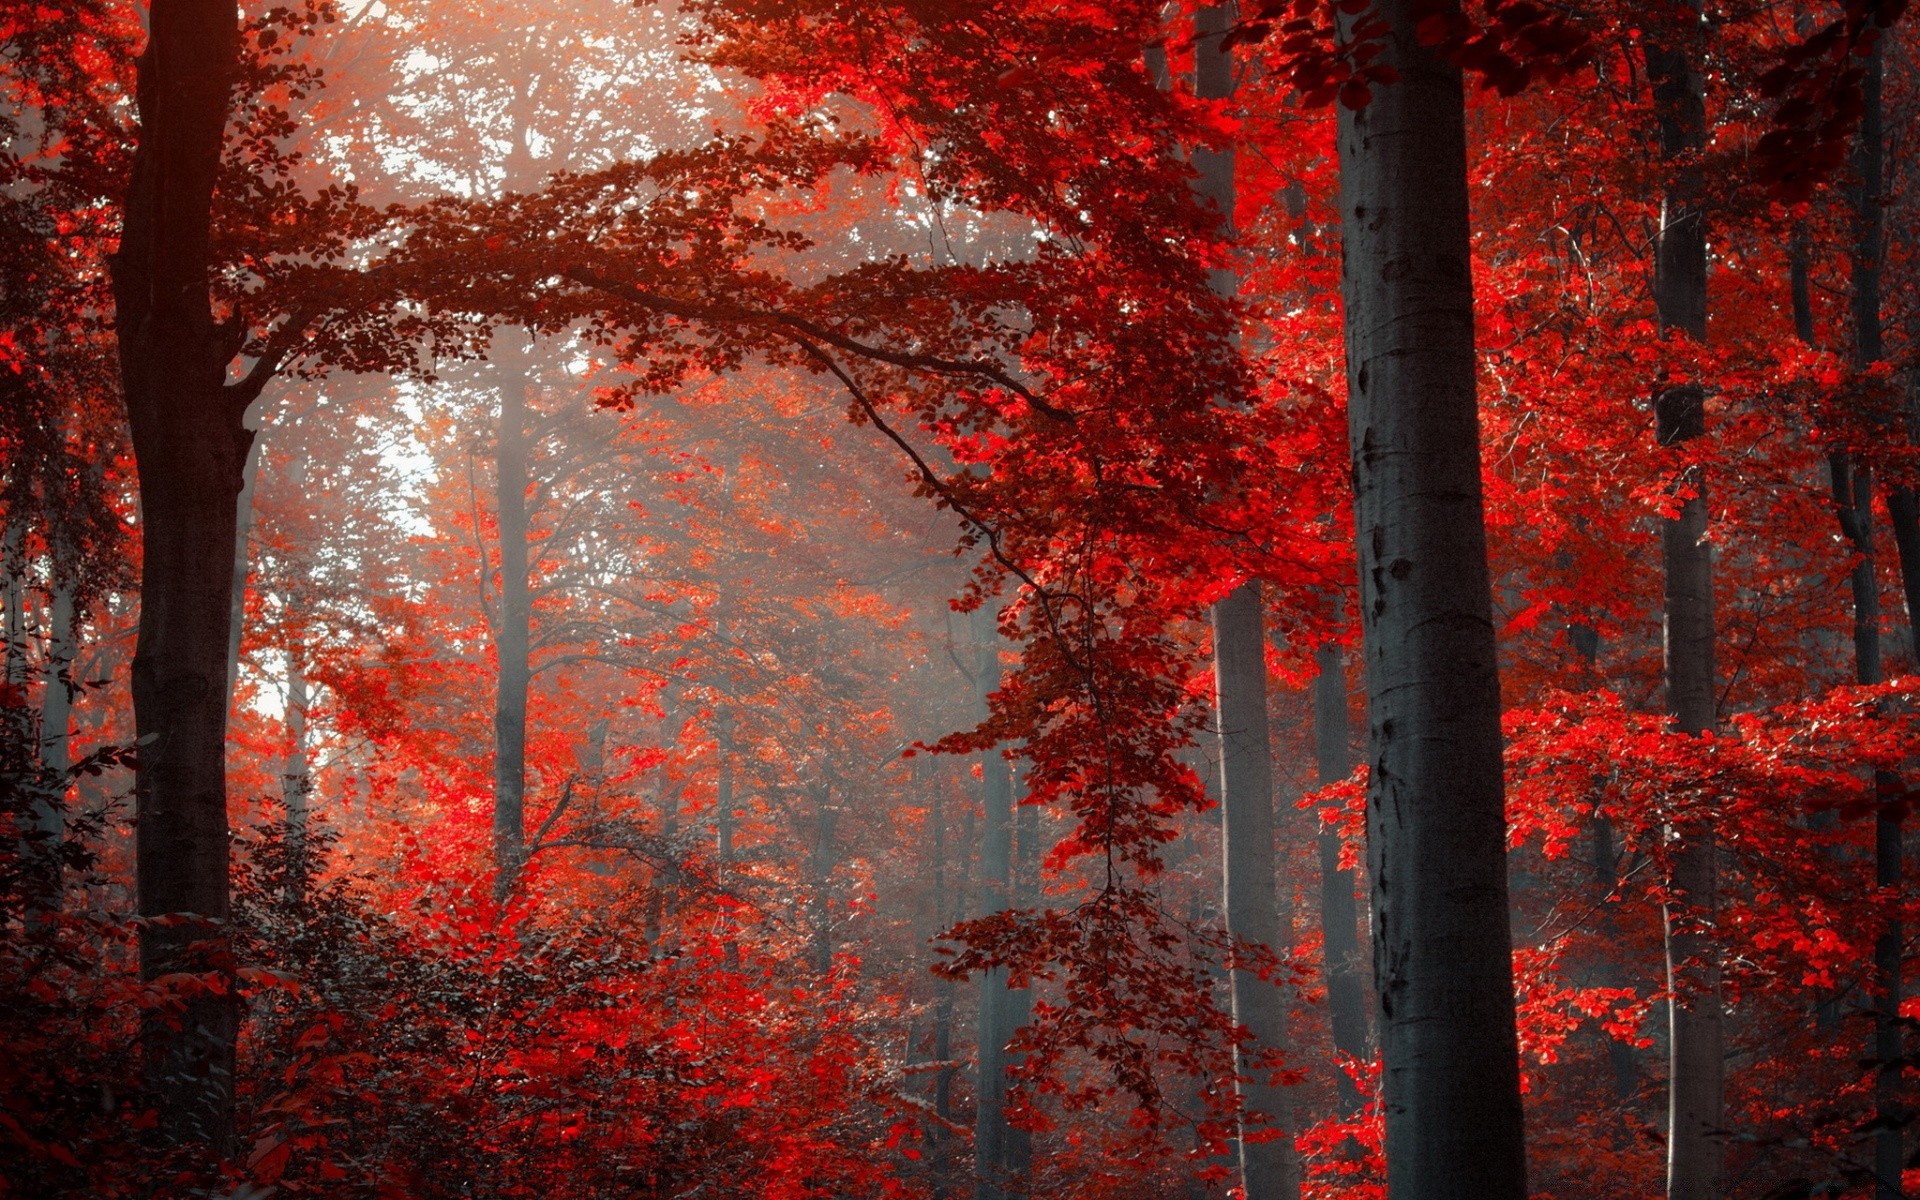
(242,562)
(13,601)
(190,449)
(512,638)
(1339,909)
(296,778)
(1269,1169)
(1696,1145)
(1436,828)
(56,705)
(944,915)
(1019,1001)
(992,1140)
(1853,496)
(820,867)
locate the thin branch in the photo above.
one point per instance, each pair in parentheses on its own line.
(818,333)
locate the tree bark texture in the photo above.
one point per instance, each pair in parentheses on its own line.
(992,1141)
(1853,495)
(511,639)
(1269,1167)
(944,914)
(1436,828)
(296,778)
(1339,908)
(1696,1144)
(242,562)
(190,448)
(56,703)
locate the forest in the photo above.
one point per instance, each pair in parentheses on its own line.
(959,599)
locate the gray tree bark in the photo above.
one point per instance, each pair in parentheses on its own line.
(1436,835)
(1339,908)
(1269,1165)
(992,1137)
(1696,1144)
(242,561)
(820,867)
(944,914)
(56,703)
(13,601)
(296,777)
(1853,497)
(512,637)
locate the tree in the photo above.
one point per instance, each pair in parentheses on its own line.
(1255,918)
(1696,1105)
(1436,836)
(191,447)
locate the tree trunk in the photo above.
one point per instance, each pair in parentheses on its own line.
(56,708)
(991,1140)
(190,448)
(1436,831)
(296,779)
(13,601)
(1696,1144)
(1269,1167)
(516,619)
(1339,909)
(242,536)
(943,916)
(1853,496)
(820,868)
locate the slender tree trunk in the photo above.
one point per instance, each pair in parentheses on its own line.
(13,601)
(56,703)
(1436,836)
(1696,1144)
(821,865)
(666,880)
(991,1139)
(723,811)
(242,537)
(944,913)
(190,448)
(1339,908)
(1019,1001)
(1269,1167)
(516,618)
(296,778)
(1853,496)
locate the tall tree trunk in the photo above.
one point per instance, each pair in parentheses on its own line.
(944,913)
(296,778)
(1853,496)
(1339,908)
(56,704)
(1436,828)
(1696,1145)
(190,448)
(515,617)
(1269,1166)
(820,866)
(1019,1001)
(723,811)
(242,537)
(991,1139)
(13,601)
